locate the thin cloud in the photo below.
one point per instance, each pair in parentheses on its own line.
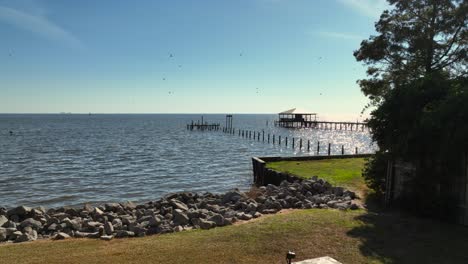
(39,25)
(370,8)
(339,35)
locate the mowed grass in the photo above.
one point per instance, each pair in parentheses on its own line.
(359,236)
(339,172)
(350,237)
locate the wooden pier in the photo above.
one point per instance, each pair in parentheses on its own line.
(294,118)
(203,125)
(325,125)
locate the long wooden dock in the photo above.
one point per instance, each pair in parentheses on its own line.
(326,125)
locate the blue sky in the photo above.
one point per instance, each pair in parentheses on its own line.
(243,56)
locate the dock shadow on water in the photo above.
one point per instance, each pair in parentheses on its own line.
(391,236)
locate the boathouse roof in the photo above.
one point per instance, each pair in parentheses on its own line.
(294,111)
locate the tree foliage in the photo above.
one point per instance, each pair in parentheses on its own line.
(415,39)
(418,83)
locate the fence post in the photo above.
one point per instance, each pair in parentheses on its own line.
(279,140)
(268,137)
(356,151)
(329,145)
(286,142)
(308,145)
(318,147)
(263,135)
(273,139)
(300,144)
(342,149)
(293,143)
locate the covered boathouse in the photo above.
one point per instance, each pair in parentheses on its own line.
(296,118)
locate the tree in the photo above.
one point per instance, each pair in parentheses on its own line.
(418,83)
(416,38)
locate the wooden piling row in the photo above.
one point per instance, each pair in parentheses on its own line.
(255,135)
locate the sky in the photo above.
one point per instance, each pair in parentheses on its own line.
(184,56)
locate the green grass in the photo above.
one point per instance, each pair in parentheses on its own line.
(339,172)
(350,237)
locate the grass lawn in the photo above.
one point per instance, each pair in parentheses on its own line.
(359,236)
(350,237)
(339,172)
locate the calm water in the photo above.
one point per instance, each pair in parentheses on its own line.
(56,160)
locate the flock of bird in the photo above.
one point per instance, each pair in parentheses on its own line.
(171,55)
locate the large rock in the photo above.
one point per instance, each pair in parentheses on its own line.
(205,224)
(61,235)
(32,223)
(232,196)
(180,217)
(108,228)
(124,233)
(112,207)
(21,211)
(3,220)
(107,238)
(217,219)
(178,205)
(3,234)
(128,205)
(25,237)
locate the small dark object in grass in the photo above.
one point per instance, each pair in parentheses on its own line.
(289,256)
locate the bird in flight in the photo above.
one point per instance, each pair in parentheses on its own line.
(171,55)
(164,78)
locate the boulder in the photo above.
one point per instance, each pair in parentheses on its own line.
(107,238)
(112,207)
(32,223)
(232,196)
(128,205)
(217,219)
(9,224)
(3,220)
(205,224)
(244,216)
(124,233)
(25,237)
(21,211)
(108,228)
(180,217)
(176,204)
(3,234)
(178,228)
(61,235)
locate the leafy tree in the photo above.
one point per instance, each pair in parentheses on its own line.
(418,83)
(415,39)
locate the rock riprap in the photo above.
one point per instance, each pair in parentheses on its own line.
(173,213)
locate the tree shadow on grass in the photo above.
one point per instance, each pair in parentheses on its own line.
(392,236)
